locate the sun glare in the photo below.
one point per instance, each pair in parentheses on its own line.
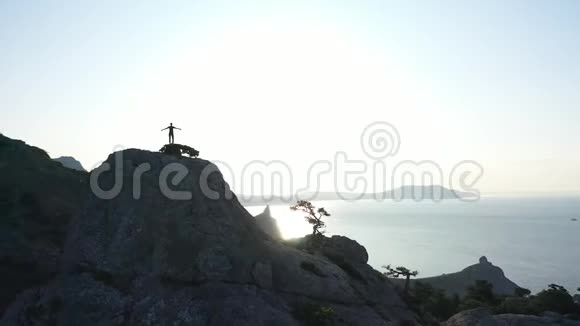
(290,223)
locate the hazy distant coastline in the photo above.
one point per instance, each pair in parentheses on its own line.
(432,193)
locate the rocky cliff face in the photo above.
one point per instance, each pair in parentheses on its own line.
(38,197)
(151,260)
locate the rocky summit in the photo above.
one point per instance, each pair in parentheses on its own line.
(457,283)
(141,258)
(70,162)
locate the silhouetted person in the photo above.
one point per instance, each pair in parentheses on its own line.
(171,137)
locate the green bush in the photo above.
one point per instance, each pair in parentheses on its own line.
(481,291)
(556,298)
(514,305)
(469,304)
(522,292)
(434,301)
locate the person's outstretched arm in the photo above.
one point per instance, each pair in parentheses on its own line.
(165,129)
(177,128)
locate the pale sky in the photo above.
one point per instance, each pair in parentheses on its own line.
(297,81)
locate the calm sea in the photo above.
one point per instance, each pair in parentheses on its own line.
(534,240)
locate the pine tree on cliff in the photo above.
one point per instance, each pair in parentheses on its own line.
(400,271)
(313,216)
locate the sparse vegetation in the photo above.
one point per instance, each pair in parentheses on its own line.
(313,216)
(522,292)
(479,294)
(179,150)
(556,298)
(400,271)
(434,302)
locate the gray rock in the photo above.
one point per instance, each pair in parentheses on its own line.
(551,315)
(336,248)
(262,275)
(38,198)
(151,260)
(340,246)
(75,300)
(483,317)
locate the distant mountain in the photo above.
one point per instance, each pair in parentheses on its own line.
(425,192)
(402,193)
(70,162)
(434,192)
(456,283)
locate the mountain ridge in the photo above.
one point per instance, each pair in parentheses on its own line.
(153,260)
(457,283)
(417,193)
(70,162)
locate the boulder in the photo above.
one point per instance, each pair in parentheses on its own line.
(345,248)
(484,317)
(335,248)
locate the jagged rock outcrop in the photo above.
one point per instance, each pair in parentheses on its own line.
(268,224)
(38,197)
(457,283)
(70,162)
(142,258)
(484,317)
(336,248)
(345,248)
